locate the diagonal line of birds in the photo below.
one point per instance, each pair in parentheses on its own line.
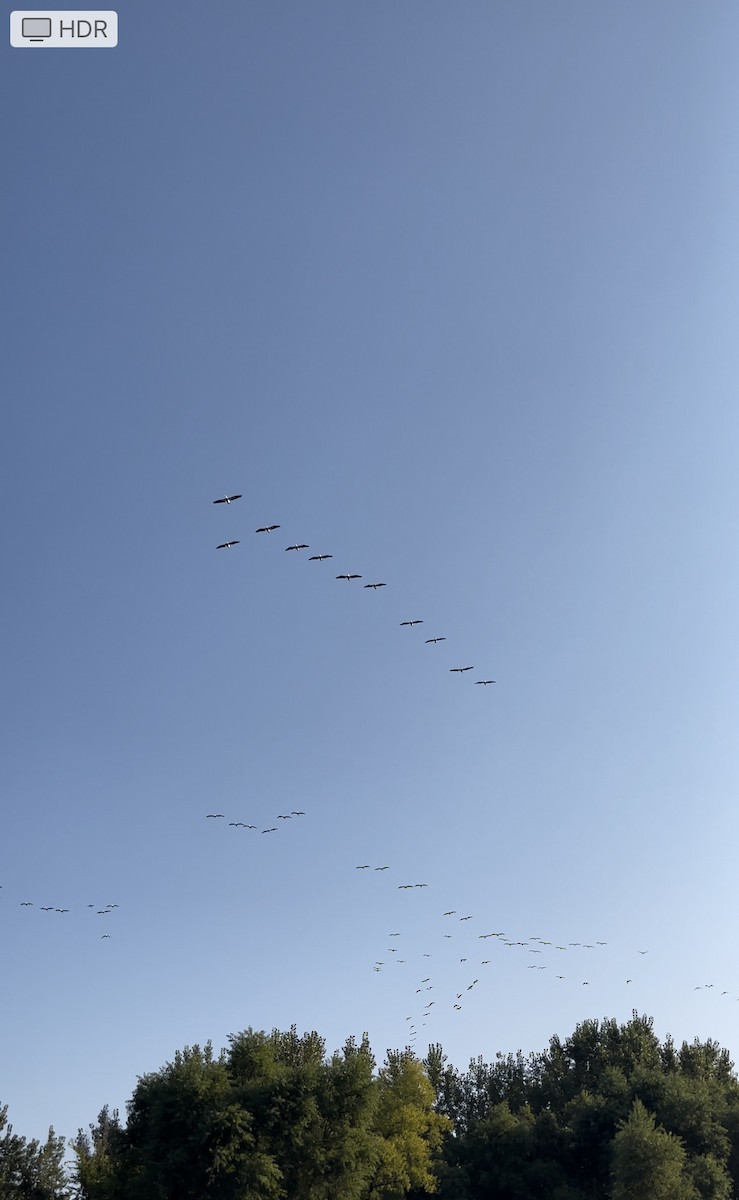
(297,547)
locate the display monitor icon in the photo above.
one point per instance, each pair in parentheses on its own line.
(35,29)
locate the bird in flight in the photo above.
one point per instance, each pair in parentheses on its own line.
(302,546)
(452,913)
(297,812)
(433,641)
(375,585)
(402,623)
(26,903)
(348,576)
(213,815)
(284,816)
(227,499)
(364,867)
(484,682)
(107,934)
(227,545)
(319,557)
(460,670)
(272,830)
(420,885)
(405,887)
(642,952)
(465,918)
(267,528)
(382,868)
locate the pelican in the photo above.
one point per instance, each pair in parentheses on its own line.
(348,577)
(364,867)
(469,919)
(319,557)
(267,528)
(297,813)
(484,682)
(402,623)
(227,545)
(433,641)
(284,816)
(26,903)
(302,546)
(382,868)
(214,815)
(420,885)
(107,934)
(272,830)
(405,887)
(375,586)
(62,910)
(452,912)
(460,670)
(48,908)
(228,499)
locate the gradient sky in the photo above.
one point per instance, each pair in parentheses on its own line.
(449,291)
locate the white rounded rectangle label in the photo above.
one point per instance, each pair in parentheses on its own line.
(68,30)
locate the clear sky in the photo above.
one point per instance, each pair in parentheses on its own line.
(448,291)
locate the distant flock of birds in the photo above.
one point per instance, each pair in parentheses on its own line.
(530,945)
(107,911)
(423,984)
(297,546)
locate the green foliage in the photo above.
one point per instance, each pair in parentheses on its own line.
(648,1163)
(408,1131)
(604,1114)
(30,1170)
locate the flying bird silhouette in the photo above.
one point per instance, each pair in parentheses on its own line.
(460,670)
(483,682)
(402,623)
(319,557)
(348,576)
(375,585)
(302,546)
(228,499)
(268,528)
(227,545)
(433,641)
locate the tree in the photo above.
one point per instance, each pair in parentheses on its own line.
(648,1163)
(31,1170)
(408,1130)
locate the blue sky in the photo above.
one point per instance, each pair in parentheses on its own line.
(448,292)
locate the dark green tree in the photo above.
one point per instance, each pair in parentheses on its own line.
(648,1163)
(31,1170)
